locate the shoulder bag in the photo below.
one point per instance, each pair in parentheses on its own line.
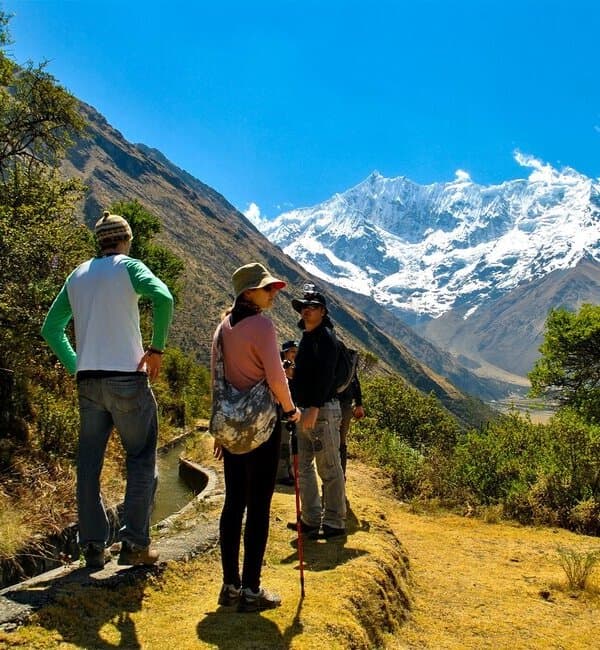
(240,420)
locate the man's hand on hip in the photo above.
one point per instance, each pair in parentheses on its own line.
(151,363)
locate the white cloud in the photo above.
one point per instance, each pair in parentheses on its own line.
(541,171)
(462,176)
(252,213)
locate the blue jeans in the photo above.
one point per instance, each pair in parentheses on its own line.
(322,445)
(126,402)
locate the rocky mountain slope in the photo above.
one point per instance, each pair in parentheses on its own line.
(507,332)
(213,238)
(448,251)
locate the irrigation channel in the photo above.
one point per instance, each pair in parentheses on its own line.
(172,494)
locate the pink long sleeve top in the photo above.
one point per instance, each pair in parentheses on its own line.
(251,353)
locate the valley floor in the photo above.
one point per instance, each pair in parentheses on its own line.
(401,580)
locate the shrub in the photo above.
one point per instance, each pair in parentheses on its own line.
(578,566)
(584,517)
(384,448)
(499,459)
(183,389)
(572,456)
(56,424)
(417,419)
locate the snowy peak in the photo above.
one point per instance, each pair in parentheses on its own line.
(427,249)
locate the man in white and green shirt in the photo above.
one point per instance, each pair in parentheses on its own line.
(112,369)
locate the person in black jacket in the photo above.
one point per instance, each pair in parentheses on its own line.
(285,471)
(314,391)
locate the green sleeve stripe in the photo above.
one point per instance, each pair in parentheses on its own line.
(146,284)
(53,330)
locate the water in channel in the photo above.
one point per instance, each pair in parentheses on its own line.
(172,493)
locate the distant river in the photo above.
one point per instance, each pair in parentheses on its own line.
(539,412)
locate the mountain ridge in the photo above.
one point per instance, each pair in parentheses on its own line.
(213,239)
(446,250)
(442,232)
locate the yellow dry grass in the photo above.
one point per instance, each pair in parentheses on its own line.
(13,528)
(470,585)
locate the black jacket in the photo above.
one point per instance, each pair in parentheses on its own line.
(353,393)
(314,375)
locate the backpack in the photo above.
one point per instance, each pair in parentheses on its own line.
(345,366)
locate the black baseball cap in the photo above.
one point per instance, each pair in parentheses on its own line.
(313,298)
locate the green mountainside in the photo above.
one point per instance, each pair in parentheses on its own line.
(213,238)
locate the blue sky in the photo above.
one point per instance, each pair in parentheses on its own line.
(282,104)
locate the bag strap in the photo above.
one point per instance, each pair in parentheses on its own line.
(219,372)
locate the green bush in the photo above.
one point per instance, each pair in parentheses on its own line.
(584,517)
(56,425)
(183,389)
(497,460)
(541,474)
(417,419)
(537,474)
(384,448)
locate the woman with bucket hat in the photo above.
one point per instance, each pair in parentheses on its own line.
(250,354)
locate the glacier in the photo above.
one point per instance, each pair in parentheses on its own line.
(427,249)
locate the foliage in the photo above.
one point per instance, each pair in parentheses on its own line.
(546,474)
(37,117)
(577,565)
(406,432)
(569,368)
(492,461)
(542,474)
(569,474)
(40,238)
(367,363)
(183,389)
(56,424)
(417,419)
(384,448)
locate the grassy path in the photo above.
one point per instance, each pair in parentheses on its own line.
(470,585)
(478,585)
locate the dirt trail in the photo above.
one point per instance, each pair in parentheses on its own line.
(479,585)
(470,585)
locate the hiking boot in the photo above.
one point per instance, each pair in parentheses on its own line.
(230,595)
(306,529)
(95,556)
(136,556)
(329,532)
(251,601)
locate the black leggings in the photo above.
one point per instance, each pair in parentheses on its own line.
(249,486)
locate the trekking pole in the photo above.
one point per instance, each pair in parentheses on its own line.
(291,427)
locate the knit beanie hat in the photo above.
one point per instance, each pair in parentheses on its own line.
(112,228)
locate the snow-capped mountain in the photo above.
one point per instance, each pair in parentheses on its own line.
(427,249)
